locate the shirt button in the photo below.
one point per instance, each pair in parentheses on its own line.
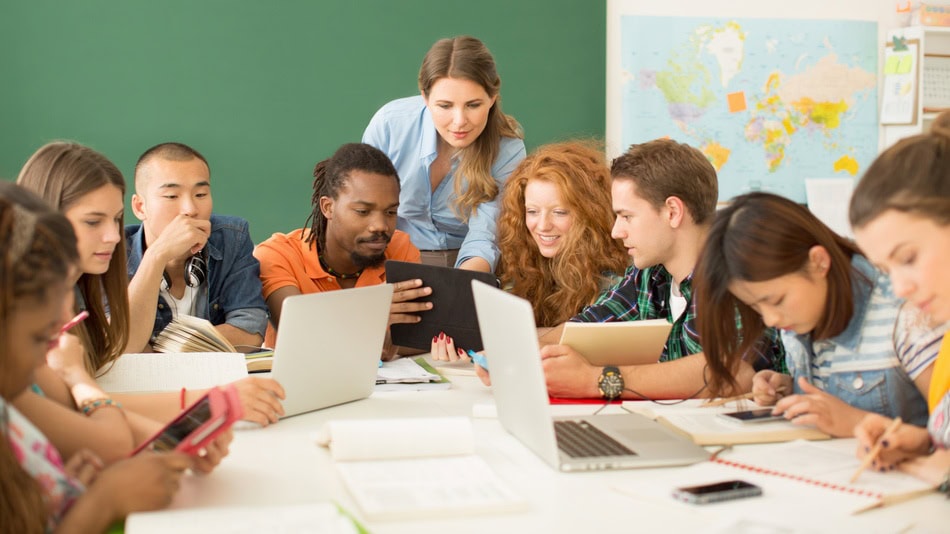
(858,383)
(161,306)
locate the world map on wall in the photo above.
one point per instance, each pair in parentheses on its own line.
(769,102)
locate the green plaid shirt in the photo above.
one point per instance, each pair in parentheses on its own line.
(645,294)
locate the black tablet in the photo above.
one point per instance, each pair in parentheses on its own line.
(453,308)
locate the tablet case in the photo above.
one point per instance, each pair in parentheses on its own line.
(453,308)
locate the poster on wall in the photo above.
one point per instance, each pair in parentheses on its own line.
(768,101)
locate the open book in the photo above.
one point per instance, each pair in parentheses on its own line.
(191,334)
(409,468)
(705,426)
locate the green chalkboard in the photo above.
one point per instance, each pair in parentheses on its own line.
(265,89)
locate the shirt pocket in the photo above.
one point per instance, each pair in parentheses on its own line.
(866,390)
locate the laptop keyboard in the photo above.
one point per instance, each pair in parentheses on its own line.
(579,439)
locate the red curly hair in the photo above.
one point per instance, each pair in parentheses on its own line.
(560,287)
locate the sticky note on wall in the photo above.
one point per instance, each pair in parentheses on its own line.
(905,64)
(736,101)
(890,64)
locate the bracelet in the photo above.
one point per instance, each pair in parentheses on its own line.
(181,399)
(90,406)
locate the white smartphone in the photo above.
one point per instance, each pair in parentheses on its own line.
(716,492)
(758,415)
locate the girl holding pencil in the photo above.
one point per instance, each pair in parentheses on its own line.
(850,346)
(900,212)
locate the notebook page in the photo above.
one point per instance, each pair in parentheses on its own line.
(304,518)
(427,487)
(157,371)
(829,464)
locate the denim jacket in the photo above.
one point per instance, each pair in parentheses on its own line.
(866,371)
(232,292)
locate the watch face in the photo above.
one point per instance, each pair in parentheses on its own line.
(611,383)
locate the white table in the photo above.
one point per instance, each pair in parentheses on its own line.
(280,464)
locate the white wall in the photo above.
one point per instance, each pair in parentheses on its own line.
(882,11)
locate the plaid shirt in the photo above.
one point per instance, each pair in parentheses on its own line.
(645,294)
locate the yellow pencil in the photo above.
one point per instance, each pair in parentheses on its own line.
(720,402)
(876,449)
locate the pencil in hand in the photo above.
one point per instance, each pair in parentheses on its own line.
(719,402)
(876,449)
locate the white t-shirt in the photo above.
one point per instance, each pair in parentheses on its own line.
(677,300)
(185,305)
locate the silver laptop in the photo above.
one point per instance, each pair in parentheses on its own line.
(328,346)
(568,443)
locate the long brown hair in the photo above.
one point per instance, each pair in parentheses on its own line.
(759,237)
(62,172)
(559,287)
(913,176)
(467,58)
(38,248)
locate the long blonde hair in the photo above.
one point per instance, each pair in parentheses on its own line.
(559,287)
(468,58)
(61,173)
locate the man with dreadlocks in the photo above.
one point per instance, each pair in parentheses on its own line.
(346,239)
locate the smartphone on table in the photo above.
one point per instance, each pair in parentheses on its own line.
(758,415)
(198,424)
(716,492)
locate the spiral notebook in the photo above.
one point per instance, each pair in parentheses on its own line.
(826,465)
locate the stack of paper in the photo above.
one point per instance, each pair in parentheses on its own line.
(409,373)
(191,334)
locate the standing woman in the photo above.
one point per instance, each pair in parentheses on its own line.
(554,231)
(900,212)
(454,149)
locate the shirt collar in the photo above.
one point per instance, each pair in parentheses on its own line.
(428,147)
(863,280)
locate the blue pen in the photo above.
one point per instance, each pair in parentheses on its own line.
(478,359)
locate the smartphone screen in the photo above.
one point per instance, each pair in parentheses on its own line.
(718,491)
(759,415)
(184,425)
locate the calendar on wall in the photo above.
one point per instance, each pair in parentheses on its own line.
(936,82)
(899,101)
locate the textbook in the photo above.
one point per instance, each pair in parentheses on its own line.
(705,426)
(618,343)
(191,334)
(409,468)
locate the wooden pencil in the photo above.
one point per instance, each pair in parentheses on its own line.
(876,449)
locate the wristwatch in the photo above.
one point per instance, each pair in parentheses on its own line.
(610,383)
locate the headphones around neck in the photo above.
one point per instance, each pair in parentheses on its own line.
(196,272)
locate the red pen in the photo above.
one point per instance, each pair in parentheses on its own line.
(74,321)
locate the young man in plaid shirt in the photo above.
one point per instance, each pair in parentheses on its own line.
(664,195)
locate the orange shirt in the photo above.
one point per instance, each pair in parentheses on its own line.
(287,260)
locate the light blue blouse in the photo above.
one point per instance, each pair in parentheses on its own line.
(403,129)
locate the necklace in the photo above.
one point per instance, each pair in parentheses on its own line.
(331,272)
